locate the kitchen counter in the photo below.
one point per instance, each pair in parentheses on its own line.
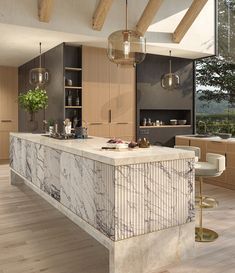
(213,138)
(138,203)
(91,148)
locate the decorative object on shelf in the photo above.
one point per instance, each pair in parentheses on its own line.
(143,143)
(126,47)
(77,99)
(69,99)
(68,82)
(182,121)
(39,76)
(170,80)
(32,102)
(173,122)
(75,119)
(67,126)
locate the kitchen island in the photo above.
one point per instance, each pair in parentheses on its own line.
(138,203)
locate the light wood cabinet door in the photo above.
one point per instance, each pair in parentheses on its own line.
(181,141)
(4,145)
(95,85)
(8,99)
(122,102)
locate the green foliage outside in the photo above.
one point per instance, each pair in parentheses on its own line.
(33,101)
(215,79)
(216,123)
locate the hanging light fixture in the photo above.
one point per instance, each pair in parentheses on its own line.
(171,80)
(39,76)
(126,47)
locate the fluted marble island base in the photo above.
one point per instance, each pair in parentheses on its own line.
(139,204)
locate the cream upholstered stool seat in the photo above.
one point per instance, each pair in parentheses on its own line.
(214,166)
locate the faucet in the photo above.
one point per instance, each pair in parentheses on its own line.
(200,122)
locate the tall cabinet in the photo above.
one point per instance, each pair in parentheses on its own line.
(108,96)
(8,107)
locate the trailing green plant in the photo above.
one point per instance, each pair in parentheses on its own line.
(33,101)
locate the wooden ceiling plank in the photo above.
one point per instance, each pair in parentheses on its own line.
(101,13)
(188,20)
(148,15)
(45,8)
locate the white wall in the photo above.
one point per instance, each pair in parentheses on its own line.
(71,21)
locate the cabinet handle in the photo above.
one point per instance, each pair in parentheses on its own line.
(110,116)
(6,120)
(96,123)
(122,123)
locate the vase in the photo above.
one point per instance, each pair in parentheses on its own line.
(32,123)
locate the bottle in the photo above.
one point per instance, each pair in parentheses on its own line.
(70,99)
(77,100)
(75,120)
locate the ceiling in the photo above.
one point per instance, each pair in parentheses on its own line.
(71,20)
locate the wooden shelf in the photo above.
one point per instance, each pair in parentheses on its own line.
(73,68)
(73,107)
(73,87)
(165,126)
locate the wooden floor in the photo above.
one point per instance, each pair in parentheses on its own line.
(36,238)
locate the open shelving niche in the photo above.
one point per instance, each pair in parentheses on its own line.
(73,71)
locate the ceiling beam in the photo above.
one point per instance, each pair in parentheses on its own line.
(148,15)
(45,8)
(100,14)
(188,20)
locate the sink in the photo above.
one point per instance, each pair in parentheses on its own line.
(202,136)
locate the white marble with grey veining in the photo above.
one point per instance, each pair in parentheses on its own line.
(120,201)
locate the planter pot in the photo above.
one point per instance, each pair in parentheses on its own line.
(32,123)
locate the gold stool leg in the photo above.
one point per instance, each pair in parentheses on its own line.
(203,234)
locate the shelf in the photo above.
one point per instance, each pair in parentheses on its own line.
(165,126)
(73,68)
(73,107)
(73,87)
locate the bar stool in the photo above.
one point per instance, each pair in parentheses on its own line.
(213,167)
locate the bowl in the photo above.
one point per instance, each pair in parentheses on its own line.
(224,135)
(182,121)
(173,121)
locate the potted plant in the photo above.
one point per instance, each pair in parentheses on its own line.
(33,101)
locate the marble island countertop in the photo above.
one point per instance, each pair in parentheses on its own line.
(91,148)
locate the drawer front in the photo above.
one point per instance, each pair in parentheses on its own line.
(200,144)
(122,130)
(230,160)
(98,129)
(216,147)
(181,141)
(231,176)
(231,147)
(8,125)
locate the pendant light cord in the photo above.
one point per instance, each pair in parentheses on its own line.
(170,61)
(126,13)
(40,57)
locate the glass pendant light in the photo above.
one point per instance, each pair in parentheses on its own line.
(39,76)
(171,80)
(126,47)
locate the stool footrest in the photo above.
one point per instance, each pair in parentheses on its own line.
(207,202)
(205,235)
